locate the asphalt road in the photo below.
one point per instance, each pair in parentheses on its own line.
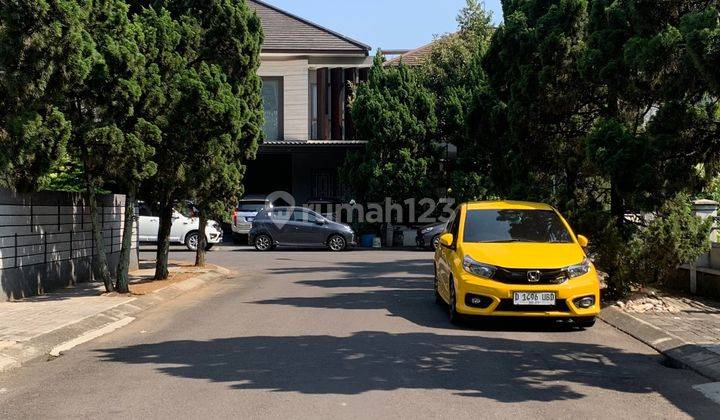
(349,335)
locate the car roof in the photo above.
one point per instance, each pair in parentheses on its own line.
(254,198)
(507,205)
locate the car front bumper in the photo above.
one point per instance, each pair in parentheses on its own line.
(215,237)
(502,294)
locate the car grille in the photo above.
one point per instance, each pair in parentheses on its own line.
(520,276)
(507,305)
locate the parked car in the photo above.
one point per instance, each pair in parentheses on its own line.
(506,258)
(326,207)
(184,229)
(298,227)
(245,212)
(429,236)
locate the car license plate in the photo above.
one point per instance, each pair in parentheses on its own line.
(534,298)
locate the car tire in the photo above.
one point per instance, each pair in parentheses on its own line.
(454,315)
(337,243)
(191,241)
(438,298)
(585,323)
(263,243)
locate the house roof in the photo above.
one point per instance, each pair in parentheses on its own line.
(288,33)
(413,57)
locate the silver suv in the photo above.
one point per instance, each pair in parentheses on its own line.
(245,213)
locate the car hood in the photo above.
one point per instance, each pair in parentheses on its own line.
(525,255)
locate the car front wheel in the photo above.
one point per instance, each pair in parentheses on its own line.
(438,299)
(337,243)
(191,241)
(263,243)
(455,317)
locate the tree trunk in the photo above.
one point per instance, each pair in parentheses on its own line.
(100,265)
(123,267)
(163,241)
(202,241)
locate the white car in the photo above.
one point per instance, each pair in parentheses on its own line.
(184,229)
(245,213)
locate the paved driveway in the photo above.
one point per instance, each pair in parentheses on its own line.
(349,335)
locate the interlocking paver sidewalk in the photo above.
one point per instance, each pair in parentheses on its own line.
(688,336)
(697,322)
(29,318)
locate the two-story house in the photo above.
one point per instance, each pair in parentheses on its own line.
(306,72)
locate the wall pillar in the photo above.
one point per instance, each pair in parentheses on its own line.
(336,100)
(322,125)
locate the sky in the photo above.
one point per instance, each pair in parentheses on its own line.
(386,24)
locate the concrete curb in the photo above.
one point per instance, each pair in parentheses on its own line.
(55,342)
(677,351)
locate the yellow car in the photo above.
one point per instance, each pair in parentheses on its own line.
(515,259)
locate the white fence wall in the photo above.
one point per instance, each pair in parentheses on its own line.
(46,240)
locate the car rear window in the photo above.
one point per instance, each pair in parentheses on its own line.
(487,226)
(251,206)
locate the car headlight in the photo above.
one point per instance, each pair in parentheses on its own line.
(427,230)
(217,226)
(478,269)
(578,270)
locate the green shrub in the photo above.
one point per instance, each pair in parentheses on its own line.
(675,237)
(652,253)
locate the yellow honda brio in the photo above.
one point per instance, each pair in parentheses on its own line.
(515,259)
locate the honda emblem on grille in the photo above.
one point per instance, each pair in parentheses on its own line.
(534,276)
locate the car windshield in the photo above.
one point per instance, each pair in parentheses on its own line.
(498,226)
(251,206)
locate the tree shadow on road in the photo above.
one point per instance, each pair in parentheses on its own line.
(499,369)
(402,288)
(352,269)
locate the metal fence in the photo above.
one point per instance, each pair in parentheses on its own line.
(33,233)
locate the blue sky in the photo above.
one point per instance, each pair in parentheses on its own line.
(388,24)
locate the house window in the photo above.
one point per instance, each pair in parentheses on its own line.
(272,93)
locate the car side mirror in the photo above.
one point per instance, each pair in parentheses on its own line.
(321,222)
(446,240)
(583,241)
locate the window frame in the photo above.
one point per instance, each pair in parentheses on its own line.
(281,104)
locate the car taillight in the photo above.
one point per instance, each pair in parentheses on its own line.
(235,217)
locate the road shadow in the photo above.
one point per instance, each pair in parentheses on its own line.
(504,370)
(419,267)
(403,288)
(417,305)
